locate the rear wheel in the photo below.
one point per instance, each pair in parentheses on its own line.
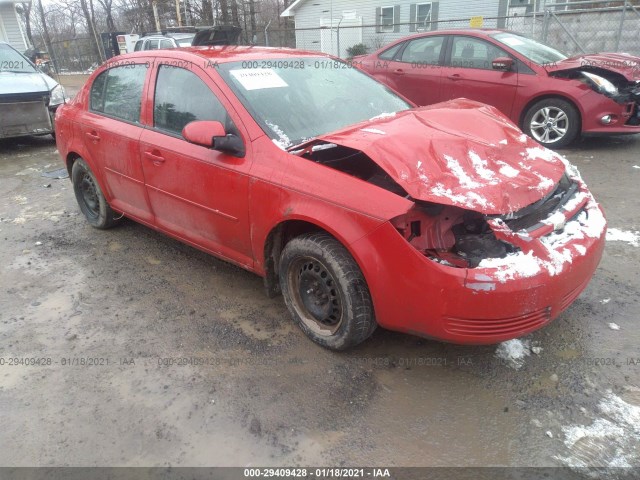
(326,292)
(552,122)
(90,197)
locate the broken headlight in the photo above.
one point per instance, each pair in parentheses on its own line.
(603,85)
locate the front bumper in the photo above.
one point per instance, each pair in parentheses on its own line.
(625,117)
(28,117)
(497,301)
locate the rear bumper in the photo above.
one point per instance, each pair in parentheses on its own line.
(505,299)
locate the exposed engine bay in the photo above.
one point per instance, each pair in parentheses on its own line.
(449,235)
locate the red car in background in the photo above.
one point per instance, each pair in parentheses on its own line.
(445,221)
(552,98)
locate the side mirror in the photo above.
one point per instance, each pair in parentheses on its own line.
(502,63)
(211,134)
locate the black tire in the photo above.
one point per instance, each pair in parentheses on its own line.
(90,197)
(326,292)
(552,122)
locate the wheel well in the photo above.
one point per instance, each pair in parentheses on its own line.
(545,97)
(71,158)
(278,237)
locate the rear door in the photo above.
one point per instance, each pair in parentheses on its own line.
(110,129)
(416,70)
(197,194)
(468,73)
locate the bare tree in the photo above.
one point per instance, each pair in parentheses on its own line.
(107,6)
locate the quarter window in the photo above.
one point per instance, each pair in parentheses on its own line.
(182,97)
(117,92)
(389,53)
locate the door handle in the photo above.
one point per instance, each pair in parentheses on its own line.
(455,76)
(93,135)
(155,157)
(398,71)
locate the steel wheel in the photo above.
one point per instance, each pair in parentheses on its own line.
(315,295)
(90,195)
(90,198)
(325,291)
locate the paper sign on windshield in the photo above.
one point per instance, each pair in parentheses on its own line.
(258,78)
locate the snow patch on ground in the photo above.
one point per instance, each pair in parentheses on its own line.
(611,440)
(617,235)
(614,326)
(514,352)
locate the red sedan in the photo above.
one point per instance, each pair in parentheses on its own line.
(553,98)
(446,221)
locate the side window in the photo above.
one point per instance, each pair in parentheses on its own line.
(152,45)
(138,46)
(389,53)
(166,44)
(469,52)
(118,92)
(424,50)
(182,97)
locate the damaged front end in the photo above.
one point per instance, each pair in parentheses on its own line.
(543,237)
(614,85)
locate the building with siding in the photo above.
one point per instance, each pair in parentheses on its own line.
(10,28)
(331,26)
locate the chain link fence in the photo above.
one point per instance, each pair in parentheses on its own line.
(572,27)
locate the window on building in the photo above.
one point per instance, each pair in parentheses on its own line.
(423,15)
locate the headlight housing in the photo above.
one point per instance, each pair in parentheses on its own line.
(57,96)
(602,83)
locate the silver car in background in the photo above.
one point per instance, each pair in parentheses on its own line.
(28,97)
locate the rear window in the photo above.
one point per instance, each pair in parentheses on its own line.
(117,92)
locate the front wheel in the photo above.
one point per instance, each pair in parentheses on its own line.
(552,122)
(326,292)
(90,197)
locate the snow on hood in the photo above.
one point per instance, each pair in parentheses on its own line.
(460,153)
(622,63)
(25,82)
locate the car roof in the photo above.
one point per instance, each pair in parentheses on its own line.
(224,54)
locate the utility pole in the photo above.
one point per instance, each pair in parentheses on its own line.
(178,16)
(154,5)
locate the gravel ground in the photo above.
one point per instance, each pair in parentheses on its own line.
(110,314)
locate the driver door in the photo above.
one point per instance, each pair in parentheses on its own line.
(468,73)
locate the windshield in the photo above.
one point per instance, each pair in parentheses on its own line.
(536,52)
(12,61)
(296,99)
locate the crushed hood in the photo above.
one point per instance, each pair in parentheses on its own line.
(626,65)
(459,153)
